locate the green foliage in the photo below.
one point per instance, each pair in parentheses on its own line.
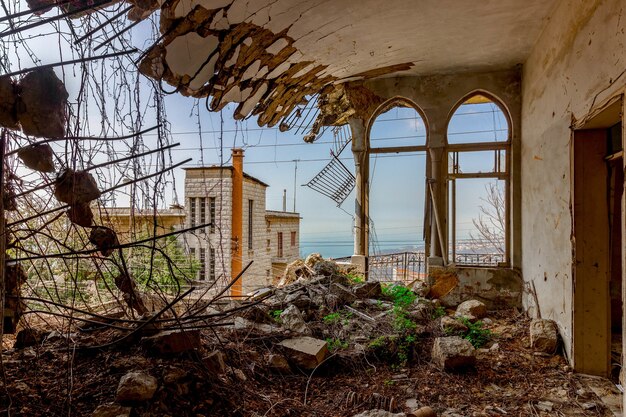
(401,295)
(165,265)
(332,318)
(401,321)
(355,278)
(378,343)
(439,312)
(389,382)
(276,314)
(336,344)
(338,316)
(476,334)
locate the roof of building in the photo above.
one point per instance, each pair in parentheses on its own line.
(228,167)
(284,214)
(126,211)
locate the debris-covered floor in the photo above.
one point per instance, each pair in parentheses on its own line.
(370,348)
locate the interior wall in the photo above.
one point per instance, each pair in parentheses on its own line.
(577,64)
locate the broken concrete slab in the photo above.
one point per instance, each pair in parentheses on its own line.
(452,326)
(214,362)
(292,319)
(543,336)
(136,387)
(172,341)
(278,363)
(370,289)
(343,293)
(306,352)
(453,353)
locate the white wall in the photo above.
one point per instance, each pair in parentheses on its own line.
(577,56)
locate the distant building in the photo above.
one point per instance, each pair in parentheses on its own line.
(241,230)
(135,224)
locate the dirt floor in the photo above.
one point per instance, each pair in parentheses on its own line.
(55,379)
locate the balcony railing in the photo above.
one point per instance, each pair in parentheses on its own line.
(410,266)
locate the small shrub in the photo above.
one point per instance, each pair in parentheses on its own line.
(276,314)
(401,295)
(439,312)
(355,278)
(401,322)
(332,318)
(378,343)
(336,344)
(475,333)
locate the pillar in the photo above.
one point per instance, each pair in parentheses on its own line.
(361,206)
(237,221)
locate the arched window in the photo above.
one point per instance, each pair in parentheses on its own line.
(397,170)
(478,146)
(398,124)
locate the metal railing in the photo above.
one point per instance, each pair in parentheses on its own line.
(410,266)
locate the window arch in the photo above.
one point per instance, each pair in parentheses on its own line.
(478,138)
(397,125)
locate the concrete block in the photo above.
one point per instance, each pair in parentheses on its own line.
(306,352)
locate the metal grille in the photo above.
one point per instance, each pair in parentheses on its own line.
(335,181)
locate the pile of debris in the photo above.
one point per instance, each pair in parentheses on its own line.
(323,343)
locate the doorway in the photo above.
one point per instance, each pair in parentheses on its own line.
(598,185)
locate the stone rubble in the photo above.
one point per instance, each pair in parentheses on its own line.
(472,310)
(453,353)
(543,336)
(136,387)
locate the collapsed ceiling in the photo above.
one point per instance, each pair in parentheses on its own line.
(269,56)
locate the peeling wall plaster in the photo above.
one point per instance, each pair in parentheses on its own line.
(570,68)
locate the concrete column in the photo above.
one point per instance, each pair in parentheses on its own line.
(438,231)
(360,151)
(237,221)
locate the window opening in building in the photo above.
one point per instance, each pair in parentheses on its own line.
(478,183)
(212,214)
(250,223)
(203,212)
(397,179)
(293,239)
(192,212)
(212,264)
(202,264)
(280,244)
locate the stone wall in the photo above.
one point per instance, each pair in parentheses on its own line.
(259,273)
(285,223)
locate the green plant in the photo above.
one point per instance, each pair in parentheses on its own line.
(476,334)
(276,314)
(389,382)
(377,343)
(355,278)
(336,344)
(401,295)
(439,312)
(336,317)
(332,318)
(401,321)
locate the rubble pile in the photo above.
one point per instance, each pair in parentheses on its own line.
(325,344)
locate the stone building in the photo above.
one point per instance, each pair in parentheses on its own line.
(241,229)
